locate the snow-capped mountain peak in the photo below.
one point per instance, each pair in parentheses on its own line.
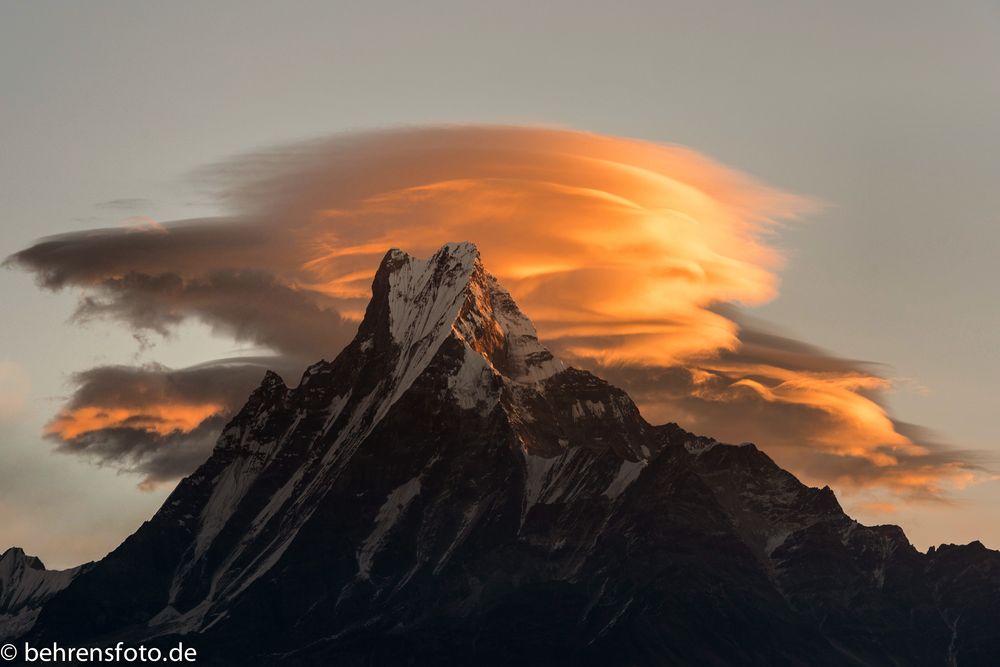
(441,340)
(445,491)
(452,293)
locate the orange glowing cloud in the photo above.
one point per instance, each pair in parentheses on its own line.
(158,419)
(618,250)
(860,426)
(595,236)
(626,254)
(153,420)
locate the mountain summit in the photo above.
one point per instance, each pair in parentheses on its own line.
(25,585)
(446,491)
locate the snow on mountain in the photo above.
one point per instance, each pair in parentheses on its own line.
(452,295)
(25,585)
(276,461)
(446,491)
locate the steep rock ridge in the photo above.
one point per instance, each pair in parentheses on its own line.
(25,585)
(443,323)
(445,491)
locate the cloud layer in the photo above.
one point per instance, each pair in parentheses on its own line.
(629,257)
(153,420)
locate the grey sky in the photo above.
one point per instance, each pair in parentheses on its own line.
(886,111)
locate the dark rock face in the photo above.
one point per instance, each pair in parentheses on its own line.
(446,492)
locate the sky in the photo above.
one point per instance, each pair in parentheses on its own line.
(881,118)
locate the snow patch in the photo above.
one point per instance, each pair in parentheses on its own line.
(627,473)
(776,540)
(393,507)
(468,520)
(471,385)
(581,409)
(537,473)
(699,446)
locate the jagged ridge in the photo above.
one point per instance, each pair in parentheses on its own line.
(25,585)
(447,491)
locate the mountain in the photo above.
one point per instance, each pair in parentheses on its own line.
(25,585)
(447,492)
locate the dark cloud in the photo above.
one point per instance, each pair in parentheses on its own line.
(185,247)
(158,458)
(153,420)
(247,305)
(225,380)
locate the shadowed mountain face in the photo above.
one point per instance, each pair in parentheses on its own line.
(446,492)
(25,585)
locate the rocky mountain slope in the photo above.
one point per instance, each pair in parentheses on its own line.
(445,491)
(25,585)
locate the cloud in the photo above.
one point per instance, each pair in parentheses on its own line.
(630,257)
(815,413)
(248,305)
(125,204)
(153,420)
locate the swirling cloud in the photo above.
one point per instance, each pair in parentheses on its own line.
(628,256)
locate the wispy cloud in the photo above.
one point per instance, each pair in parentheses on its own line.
(153,420)
(628,255)
(125,204)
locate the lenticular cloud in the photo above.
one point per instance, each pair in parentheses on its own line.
(627,255)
